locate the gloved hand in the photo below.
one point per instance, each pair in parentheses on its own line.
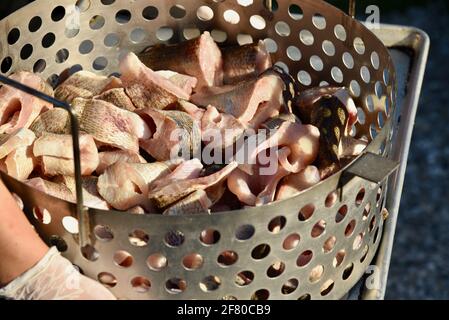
(55,278)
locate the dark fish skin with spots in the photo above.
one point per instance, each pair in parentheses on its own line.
(331,117)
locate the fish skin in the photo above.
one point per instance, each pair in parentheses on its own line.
(145,87)
(17,139)
(110,125)
(118,98)
(20,163)
(201,58)
(242,63)
(164,196)
(305,103)
(52,121)
(125,185)
(332,118)
(195,203)
(84,84)
(108,158)
(162,146)
(19,109)
(242,100)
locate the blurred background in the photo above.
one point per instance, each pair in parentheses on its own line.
(420,262)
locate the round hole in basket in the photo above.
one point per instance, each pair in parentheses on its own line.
(366,211)
(107,279)
(295,12)
(327,287)
(277,224)
(276,269)
(58,13)
(13,36)
(90,253)
(123,259)
(6,64)
(364,253)
(339,257)
(261,251)
(42,215)
(316,273)
(305,296)
(150,13)
(178,11)
(261,294)
(103,233)
(360,196)
(210,283)
(157,261)
(193,261)
(350,228)
(306,212)
(174,238)
(123,16)
(341,213)
(304,258)
(138,238)
(331,199)
(329,244)
(348,271)
(318,229)
(175,285)
(291,241)
(358,240)
(39,66)
(70,224)
(83,5)
(26,52)
(227,258)
(140,284)
(210,236)
(245,232)
(244,278)
(290,286)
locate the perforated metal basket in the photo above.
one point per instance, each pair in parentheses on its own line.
(275,254)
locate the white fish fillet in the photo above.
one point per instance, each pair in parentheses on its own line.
(20,163)
(108,158)
(19,109)
(125,185)
(17,139)
(56,151)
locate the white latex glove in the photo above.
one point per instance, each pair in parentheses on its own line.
(55,278)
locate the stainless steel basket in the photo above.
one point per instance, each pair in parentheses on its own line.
(274,254)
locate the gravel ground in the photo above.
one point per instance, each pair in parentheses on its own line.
(420,261)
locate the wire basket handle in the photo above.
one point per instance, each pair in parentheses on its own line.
(81,212)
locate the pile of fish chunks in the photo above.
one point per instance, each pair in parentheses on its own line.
(189,128)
